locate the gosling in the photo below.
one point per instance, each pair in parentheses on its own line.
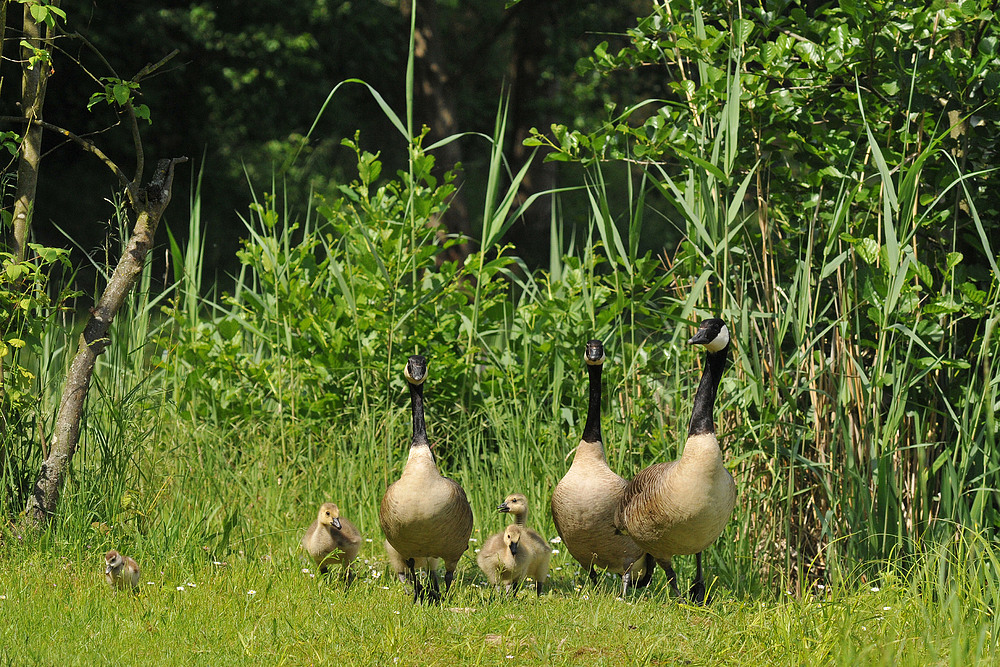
(120,571)
(516,504)
(332,540)
(509,557)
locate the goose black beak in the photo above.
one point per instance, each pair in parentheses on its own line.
(513,548)
(701,336)
(503,507)
(336,524)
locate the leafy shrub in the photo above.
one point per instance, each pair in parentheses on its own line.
(25,310)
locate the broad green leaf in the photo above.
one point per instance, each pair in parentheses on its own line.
(15,271)
(742,28)
(121,93)
(769,52)
(39,12)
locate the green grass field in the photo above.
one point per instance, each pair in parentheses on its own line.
(270,611)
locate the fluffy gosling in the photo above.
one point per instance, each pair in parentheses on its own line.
(120,571)
(509,557)
(332,540)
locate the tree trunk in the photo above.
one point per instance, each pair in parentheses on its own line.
(434,100)
(149,205)
(532,27)
(33,84)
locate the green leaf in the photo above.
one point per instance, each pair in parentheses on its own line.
(121,93)
(15,271)
(923,272)
(40,13)
(741,30)
(769,52)
(811,53)
(868,249)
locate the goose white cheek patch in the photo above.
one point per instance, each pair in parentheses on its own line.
(719,341)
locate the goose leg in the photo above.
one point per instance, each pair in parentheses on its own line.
(697,591)
(418,590)
(435,592)
(647,575)
(671,575)
(592,573)
(449,576)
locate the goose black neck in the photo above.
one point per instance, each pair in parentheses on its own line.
(704,400)
(417,408)
(592,431)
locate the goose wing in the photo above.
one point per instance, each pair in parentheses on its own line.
(639,492)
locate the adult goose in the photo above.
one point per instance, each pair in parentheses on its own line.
(585,500)
(423,514)
(681,507)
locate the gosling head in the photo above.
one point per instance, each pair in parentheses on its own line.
(512,537)
(416,369)
(113,562)
(329,515)
(713,334)
(594,353)
(515,503)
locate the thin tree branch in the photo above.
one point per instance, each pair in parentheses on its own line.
(78,140)
(150,68)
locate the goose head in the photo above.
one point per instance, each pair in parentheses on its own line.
(416,369)
(515,503)
(713,334)
(329,515)
(113,562)
(594,353)
(512,537)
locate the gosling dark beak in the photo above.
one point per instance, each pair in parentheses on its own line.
(502,507)
(513,548)
(336,524)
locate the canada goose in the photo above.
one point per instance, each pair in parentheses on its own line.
(332,539)
(120,571)
(682,507)
(423,514)
(509,557)
(399,565)
(586,498)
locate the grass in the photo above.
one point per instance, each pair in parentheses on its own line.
(268,610)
